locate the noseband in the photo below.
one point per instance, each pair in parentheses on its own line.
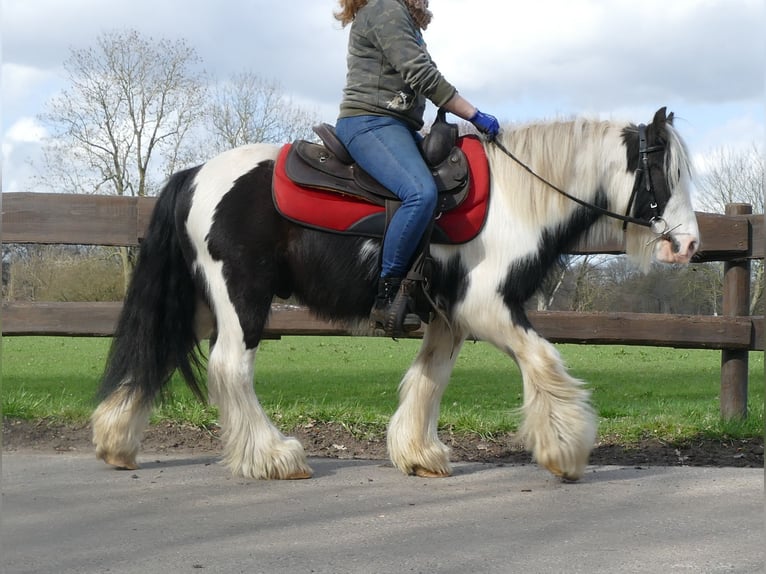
(643,174)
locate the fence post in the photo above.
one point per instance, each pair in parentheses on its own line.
(736,302)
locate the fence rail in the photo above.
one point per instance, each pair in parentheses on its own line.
(735,238)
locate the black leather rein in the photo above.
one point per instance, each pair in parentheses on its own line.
(642,173)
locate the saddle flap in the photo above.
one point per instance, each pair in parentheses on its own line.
(319,158)
(452,179)
(313,165)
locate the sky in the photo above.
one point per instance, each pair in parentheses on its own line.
(518,60)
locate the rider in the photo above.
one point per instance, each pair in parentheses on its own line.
(390,75)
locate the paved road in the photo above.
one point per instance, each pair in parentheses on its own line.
(69,513)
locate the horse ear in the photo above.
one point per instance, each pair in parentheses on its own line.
(660,118)
(671,116)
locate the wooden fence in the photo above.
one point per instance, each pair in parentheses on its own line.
(735,238)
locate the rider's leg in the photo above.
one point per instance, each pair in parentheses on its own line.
(387,149)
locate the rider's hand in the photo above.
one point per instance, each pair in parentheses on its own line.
(485,123)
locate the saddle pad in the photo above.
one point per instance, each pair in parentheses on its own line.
(338,213)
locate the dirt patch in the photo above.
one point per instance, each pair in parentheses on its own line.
(337,441)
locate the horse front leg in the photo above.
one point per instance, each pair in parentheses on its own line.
(413,443)
(253,446)
(559,424)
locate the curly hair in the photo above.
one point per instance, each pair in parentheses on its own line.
(418,9)
(348,10)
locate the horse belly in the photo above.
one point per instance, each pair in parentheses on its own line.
(334,275)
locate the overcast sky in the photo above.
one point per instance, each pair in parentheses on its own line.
(518,60)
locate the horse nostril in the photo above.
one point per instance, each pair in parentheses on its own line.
(692,247)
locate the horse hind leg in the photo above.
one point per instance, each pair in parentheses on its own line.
(413,443)
(120,419)
(118,425)
(253,446)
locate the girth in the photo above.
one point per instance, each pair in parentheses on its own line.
(329,167)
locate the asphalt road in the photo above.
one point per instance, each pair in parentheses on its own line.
(69,513)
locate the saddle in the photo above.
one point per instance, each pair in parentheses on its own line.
(319,186)
(329,167)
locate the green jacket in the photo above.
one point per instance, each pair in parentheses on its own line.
(390,72)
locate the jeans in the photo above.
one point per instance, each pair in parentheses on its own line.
(387,149)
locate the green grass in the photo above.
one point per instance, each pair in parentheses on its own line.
(670,394)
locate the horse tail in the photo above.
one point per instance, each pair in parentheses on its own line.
(155,334)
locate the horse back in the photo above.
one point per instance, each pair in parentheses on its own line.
(233,222)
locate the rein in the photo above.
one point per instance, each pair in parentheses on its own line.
(642,172)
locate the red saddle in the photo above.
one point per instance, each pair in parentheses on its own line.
(334,211)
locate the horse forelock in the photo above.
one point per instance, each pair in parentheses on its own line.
(677,161)
(678,164)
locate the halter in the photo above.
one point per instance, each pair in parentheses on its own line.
(642,173)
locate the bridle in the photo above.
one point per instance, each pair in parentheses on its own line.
(643,175)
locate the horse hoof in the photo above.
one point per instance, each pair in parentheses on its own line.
(556,471)
(425,473)
(553,469)
(121,463)
(300,475)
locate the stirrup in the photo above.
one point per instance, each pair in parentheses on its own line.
(393,313)
(400,320)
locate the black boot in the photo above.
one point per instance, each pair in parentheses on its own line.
(393,310)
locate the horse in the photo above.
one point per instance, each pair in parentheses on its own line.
(217,252)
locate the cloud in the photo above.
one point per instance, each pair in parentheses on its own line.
(26,88)
(582,55)
(25,130)
(597,55)
(737,133)
(518,60)
(21,143)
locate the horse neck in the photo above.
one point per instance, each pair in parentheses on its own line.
(584,158)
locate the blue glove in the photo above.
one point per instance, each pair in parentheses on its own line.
(485,123)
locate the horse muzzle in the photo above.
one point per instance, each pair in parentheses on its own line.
(677,248)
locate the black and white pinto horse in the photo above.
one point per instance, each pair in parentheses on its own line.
(217,252)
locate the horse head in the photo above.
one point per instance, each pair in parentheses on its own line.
(661,196)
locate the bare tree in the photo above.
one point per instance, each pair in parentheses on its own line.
(249,109)
(573,285)
(732,176)
(736,177)
(550,286)
(120,126)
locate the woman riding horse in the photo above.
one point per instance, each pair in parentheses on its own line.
(390,75)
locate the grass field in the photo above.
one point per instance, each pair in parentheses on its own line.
(669,394)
